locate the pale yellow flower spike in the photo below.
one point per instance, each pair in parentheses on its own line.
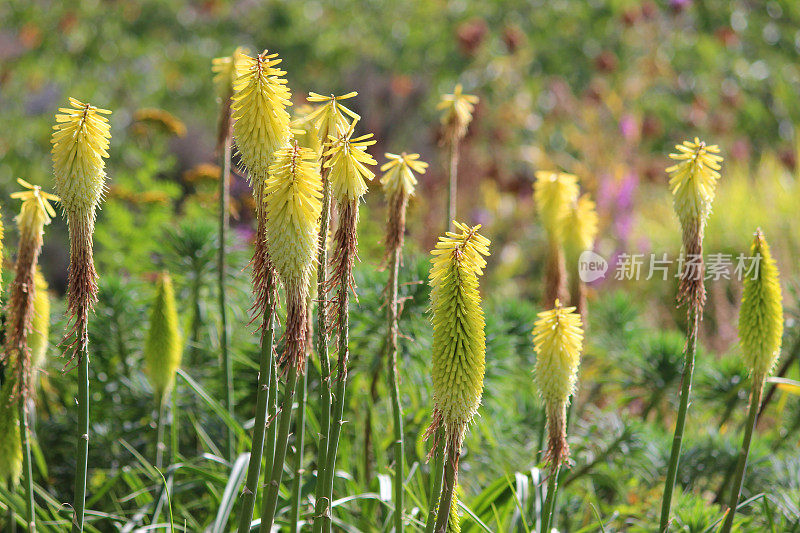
(80,145)
(329,116)
(294,205)
(580,227)
(554,192)
(558,342)
(261,122)
(305,129)
(36,211)
(225,68)
(399,173)
(459,341)
(347,160)
(693,179)
(457,111)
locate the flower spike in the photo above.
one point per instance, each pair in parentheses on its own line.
(693,179)
(558,341)
(163,347)
(457,112)
(261,122)
(80,146)
(554,192)
(761,315)
(399,173)
(35,213)
(398,184)
(692,182)
(329,117)
(225,69)
(459,350)
(347,160)
(459,342)
(294,205)
(580,227)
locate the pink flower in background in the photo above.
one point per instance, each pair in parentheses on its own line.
(629,127)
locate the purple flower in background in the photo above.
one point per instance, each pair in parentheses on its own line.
(625,191)
(615,199)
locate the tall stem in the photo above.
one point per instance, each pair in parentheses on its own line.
(550,499)
(259,429)
(686,389)
(337,412)
(394,386)
(270,503)
(82,451)
(322,504)
(194,327)
(300,426)
(452,189)
(25,435)
(741,465)
(448,489)
(272,415)
(159,440)
(437,472)
(227,363)
(173,428)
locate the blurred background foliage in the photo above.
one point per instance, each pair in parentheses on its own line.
(602,88)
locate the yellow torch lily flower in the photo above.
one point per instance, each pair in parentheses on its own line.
(558,342)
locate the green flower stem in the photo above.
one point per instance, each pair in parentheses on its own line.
(159,435)
(686,389)
(194,327)
(82,451)
(394,386)
(25,435)
(338,405)
(173,428)
(452,188)
(437,472)
(448,490)
(741,465)
(321,507)
(262,399)
(272,419)
(270,501)
(300,426)
(227,362)
(550,499)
